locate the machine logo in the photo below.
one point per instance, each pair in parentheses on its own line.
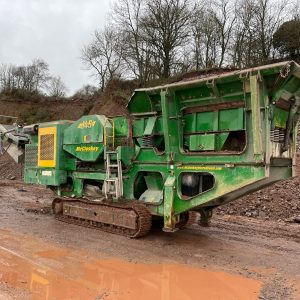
(87,149)
(86,124)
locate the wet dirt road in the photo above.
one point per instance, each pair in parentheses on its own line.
(235,258)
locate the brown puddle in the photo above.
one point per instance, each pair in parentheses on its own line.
(57,273)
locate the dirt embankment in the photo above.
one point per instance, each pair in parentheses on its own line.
(114,99)
(111,102)
(28,111)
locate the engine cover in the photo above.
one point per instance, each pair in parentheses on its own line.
(85,138)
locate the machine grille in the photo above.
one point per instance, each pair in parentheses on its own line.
(47,147)
(31,155)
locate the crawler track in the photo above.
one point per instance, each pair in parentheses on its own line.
(128,219)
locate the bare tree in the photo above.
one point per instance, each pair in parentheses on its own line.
(158,38)
(56,87)
(86,90)
(31,78)
(253,36)
(269,15)
(212,27)
(225,19)
(166,29)
(205,36)
(6,78)
(103,56)
(128,15)
(39,74)
(245,41)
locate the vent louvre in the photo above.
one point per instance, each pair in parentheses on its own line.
(47,147)
(31,155)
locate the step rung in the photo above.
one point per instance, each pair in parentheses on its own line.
(112,179)
(113,166)
(111,193)
(111,152)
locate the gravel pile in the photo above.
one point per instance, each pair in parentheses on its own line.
(9,169)
(279,202)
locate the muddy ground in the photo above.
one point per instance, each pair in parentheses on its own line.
(237,257)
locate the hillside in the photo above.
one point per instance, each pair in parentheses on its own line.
(29,111)
(111,102)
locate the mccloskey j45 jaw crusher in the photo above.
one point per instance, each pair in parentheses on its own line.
(187,146)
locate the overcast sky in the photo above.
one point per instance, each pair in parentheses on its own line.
(54,30)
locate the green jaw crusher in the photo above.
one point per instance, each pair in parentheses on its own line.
(188,146)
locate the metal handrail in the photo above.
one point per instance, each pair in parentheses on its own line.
(113,132)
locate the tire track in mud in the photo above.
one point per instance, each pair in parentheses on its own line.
(265,228)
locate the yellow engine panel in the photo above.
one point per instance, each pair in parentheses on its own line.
(47,147)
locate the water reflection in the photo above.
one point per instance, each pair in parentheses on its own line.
(121,280)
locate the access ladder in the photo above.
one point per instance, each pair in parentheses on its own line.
(113,183)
